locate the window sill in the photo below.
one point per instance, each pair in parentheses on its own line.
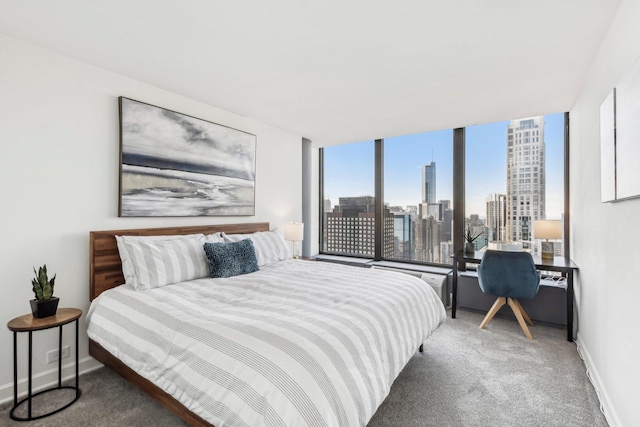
(368,262)
(339,259)
(413,267)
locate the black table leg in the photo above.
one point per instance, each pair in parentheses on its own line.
(570,306)
(77,381)
(30,373)
(60,357)
(15,369)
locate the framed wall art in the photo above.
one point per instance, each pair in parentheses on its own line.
(620,139)
(172,164)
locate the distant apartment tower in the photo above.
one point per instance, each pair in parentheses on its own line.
(447,225)
(525,178)
(447,220)
(351,227)
(475,221)
(403,234)
(429,183)
(497,216)
(427,240)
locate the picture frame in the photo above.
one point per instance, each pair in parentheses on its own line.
(619,139)
(173,164)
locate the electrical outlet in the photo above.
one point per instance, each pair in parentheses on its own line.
(52,356)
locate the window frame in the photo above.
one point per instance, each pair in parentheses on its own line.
(458,202)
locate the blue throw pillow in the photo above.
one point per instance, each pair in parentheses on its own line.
(231,259)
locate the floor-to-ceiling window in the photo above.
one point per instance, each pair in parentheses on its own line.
(514,180)
(418,194)
(348,204)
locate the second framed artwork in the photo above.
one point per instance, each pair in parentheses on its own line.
(172,164)
(619,139)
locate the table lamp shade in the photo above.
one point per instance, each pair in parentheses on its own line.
(294,231)
(547,229)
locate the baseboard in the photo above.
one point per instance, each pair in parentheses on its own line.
(592,373)
(48,378)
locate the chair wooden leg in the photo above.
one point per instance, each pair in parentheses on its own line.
(518,313)
(524,313)
(494,309)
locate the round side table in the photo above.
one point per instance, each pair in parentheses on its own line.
(28,323)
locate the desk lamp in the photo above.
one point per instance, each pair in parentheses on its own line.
(548,230)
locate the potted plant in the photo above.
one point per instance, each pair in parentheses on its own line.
(469,238)
(45,304)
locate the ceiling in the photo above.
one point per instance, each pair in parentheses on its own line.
(336,71)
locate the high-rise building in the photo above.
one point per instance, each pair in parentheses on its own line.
(351,227)
(483,237)
(447,222)
(446,250)
(435,210)
(447,225)
(446,204)
(426,210)
(412,209)
(403,232)
(429,183)
(525,177)
(475,221)
(427,240)
(497,216)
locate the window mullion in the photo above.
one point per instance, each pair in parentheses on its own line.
(379,200)
(458,188)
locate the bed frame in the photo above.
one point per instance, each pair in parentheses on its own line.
(105,272)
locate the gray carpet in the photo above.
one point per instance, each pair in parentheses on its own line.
(465,377)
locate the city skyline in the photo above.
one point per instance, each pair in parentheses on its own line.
(349,167)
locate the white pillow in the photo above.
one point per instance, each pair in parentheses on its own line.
(270,246)
(127,266)
(213,238)
(164,262)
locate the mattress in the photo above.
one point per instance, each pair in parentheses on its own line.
(297,343)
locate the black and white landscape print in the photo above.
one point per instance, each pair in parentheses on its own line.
(177,165)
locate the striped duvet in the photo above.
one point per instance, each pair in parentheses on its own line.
(295,344)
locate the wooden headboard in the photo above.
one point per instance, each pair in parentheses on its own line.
(105,267)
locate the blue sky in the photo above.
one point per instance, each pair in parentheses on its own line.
(349,168)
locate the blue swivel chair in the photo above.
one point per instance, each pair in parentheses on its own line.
(509,276)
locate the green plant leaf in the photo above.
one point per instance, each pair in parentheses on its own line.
(42,286)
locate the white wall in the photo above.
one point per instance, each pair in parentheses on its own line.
(59,180)
(605,237)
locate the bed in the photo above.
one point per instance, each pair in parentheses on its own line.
(295,343)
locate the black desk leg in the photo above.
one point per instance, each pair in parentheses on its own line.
(454,302)
(570,306)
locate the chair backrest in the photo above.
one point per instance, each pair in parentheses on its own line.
(508,274)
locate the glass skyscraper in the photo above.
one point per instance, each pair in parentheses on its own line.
(429,183)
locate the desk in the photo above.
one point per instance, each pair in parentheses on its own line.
(559,264)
